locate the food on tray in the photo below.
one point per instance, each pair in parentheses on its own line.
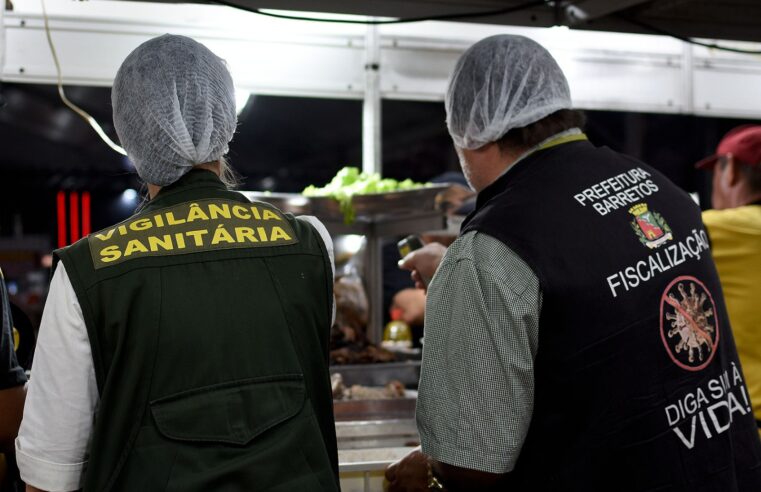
(337,386)
(353,354)
(348,335)
(351,311)
(349,182)
(394,389)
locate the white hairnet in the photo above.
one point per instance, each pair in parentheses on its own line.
(500,83)
(174,107)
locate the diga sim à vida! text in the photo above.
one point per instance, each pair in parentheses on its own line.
(235,224)
(710,409)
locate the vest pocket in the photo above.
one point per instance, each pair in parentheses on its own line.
(233,413)
(254,434)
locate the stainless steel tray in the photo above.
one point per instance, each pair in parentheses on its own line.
(377,204)
(386,432)
(370,206)
(294,203)
(408,372)
(397,408)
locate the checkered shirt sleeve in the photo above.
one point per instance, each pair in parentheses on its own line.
(476,389)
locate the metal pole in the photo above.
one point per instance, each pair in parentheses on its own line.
(371,110)
(374,284)
(3,44)
(688,79)
(371,163)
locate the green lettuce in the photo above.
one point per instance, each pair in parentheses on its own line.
(349,181)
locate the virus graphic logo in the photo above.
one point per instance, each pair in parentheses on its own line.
(689,328)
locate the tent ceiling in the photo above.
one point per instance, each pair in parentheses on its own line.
(717,19)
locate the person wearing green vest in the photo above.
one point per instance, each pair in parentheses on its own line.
(185,348)
(12,388)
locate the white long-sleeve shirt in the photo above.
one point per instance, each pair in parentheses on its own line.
(51,447)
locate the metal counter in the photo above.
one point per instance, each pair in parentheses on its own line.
(366,448)
(363,470)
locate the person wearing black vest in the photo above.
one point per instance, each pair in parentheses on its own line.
(185,348)
(576,337)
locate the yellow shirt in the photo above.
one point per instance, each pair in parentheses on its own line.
(736,245)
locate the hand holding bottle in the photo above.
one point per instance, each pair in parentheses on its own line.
(423,263)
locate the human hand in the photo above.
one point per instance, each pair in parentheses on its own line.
(410,474)
(411,303)
(423,263)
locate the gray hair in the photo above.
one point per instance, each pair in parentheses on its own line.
(229,177)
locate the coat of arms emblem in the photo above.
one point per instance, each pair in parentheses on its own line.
(650,227)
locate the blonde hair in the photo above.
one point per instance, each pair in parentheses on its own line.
(229,177)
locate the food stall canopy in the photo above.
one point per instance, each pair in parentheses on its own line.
(717,19)
(270,56)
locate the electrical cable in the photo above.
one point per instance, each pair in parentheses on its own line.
(658,30)
(81,112)
(464,15)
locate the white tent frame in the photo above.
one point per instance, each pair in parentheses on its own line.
(608,71)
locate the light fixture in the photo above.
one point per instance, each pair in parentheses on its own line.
(241,100)
(129,196)
(350,243)
(324,15)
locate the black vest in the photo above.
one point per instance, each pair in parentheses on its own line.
(208,318)
(638,384)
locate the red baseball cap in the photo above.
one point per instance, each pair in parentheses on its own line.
(743,143)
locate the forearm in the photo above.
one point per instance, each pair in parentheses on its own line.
(29,488)
(415,471)
(11,411)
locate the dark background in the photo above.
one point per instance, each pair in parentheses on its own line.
(282,144)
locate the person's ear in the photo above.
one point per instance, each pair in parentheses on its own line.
(732,172)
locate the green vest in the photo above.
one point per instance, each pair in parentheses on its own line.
(208,318)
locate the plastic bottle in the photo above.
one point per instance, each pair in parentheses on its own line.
(407,246)
(397,334)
